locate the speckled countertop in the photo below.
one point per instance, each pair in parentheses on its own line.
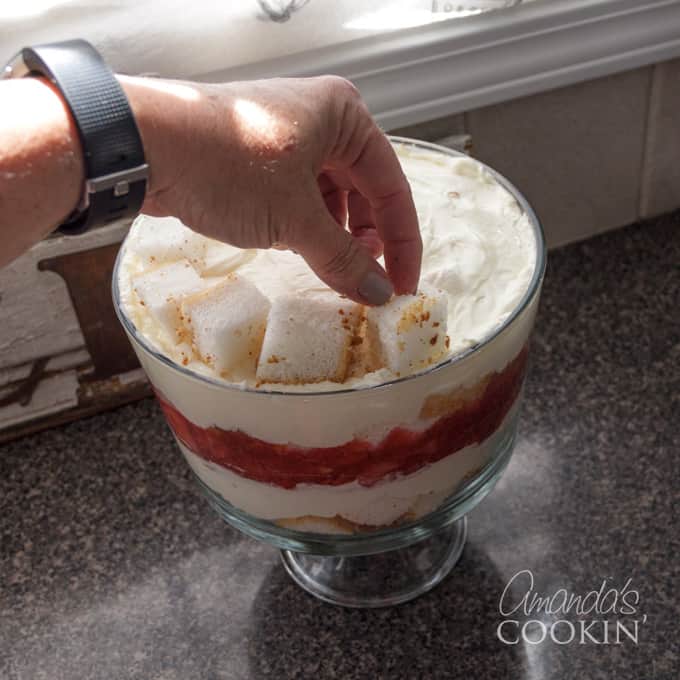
(111,565)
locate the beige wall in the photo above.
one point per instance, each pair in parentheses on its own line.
(589,157)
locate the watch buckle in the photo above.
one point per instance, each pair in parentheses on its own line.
(15,68)
(118,181)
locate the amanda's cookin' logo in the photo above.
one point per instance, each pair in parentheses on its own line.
(605,616)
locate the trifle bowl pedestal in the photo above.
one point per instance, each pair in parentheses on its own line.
(365,490)
(380,579)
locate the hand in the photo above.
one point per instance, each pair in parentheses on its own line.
(283,163)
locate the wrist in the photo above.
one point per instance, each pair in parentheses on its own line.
(160,118)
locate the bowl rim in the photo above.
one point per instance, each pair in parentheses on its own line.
(529,294)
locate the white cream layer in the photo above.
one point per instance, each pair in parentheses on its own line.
(479,247)
(381,504)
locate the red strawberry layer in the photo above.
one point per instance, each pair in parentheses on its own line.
(401,452)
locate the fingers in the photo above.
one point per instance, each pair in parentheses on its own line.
(363,159)
(362,223)
(341,203)
(378,177)
(339,259)
(335,199)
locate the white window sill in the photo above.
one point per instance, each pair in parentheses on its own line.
(423,73)
(407,75)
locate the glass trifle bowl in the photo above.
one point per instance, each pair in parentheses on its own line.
(364,485)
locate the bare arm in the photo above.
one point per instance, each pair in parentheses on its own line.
(257,164)
(41,160)
(41,165)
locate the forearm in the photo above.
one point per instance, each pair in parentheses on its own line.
(162,113)
(41,164)
(41,161)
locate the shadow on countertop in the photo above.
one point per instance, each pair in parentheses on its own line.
(295,635)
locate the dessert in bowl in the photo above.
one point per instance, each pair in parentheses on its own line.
(324,426)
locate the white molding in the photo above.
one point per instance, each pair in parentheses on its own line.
(423,73)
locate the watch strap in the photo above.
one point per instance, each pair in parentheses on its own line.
(115,168)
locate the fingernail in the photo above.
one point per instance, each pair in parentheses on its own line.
(375,289)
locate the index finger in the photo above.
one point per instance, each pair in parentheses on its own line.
(377,175)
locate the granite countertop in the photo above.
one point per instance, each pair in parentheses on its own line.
(112,566)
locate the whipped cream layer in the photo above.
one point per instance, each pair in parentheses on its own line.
(479,248)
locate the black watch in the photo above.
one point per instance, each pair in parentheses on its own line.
(116,172)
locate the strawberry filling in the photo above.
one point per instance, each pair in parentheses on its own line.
(401,452)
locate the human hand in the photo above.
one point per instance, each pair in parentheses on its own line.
(283,163)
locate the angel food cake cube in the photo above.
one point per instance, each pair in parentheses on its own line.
(165,239)
(308,339)
(161,291)
(226,323)
(408,334)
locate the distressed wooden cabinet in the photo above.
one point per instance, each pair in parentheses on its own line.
(63,353)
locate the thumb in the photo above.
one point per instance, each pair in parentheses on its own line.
(340,260)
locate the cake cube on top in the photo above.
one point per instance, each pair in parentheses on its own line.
(308,339)
(165,239)
(408,334)
(221,258)
(227,322)
(161,290)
